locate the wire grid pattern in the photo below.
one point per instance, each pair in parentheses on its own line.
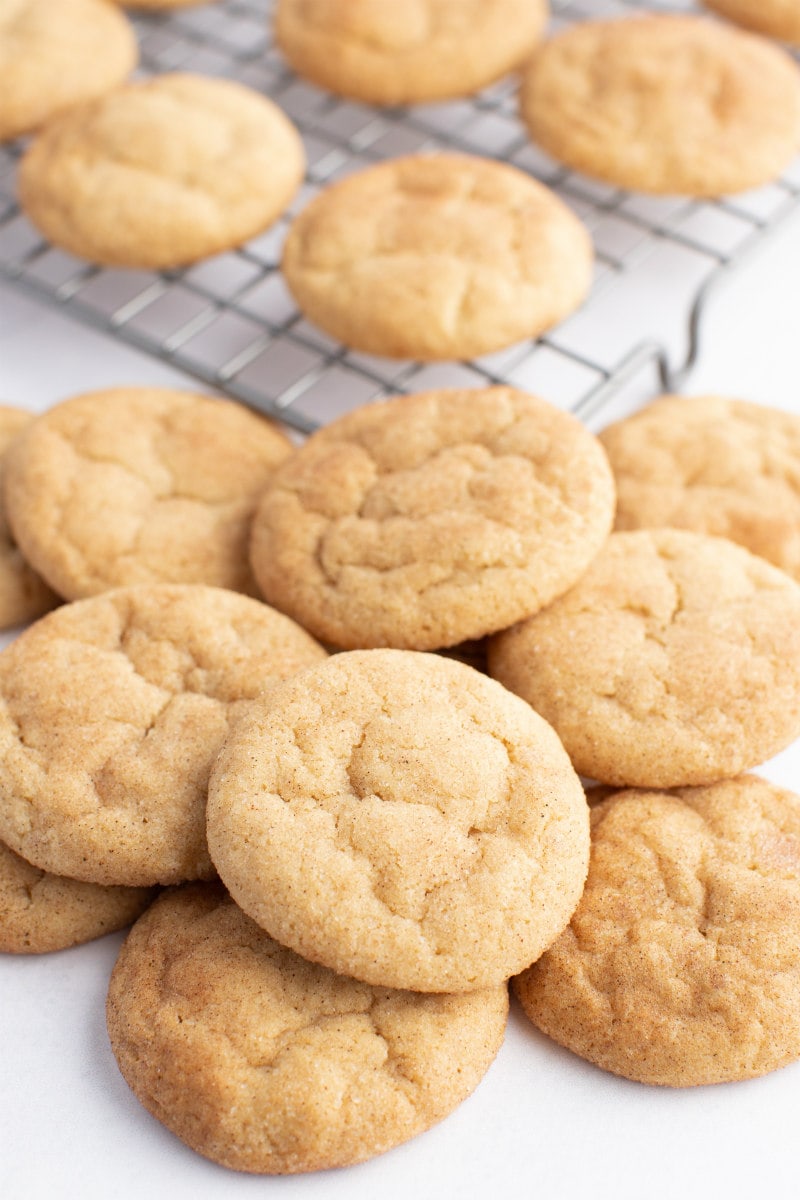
(230,321)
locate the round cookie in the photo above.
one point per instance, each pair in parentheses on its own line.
(437,257)
(419,51)
(400,818)
(140,485)
(664,103)
(266,1063)
(681,965)
(56,53)
(429,520)
(24,595)
(162,172)
(40,912)
(776,18)
(718,466)
(111,712)
(674,661)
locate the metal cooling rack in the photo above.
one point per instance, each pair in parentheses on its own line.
(231,323)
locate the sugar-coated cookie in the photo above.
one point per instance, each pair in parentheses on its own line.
(437,257)
(266,1063)
(56,53)
(664,103)
(24,595)
(140,485)
(776,18)
(402,819)
(681,965)
(674,661)
(385,52)
(111,712)
(718,466)
(162,172)
(428,520)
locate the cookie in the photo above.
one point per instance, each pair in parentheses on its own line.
(140,485)
(56,53)
(400,818)
(681,965)
(162,172)
(111,712)
(266,1063)
(664,103)
(383,52)
(433,519)
(674,661)
(437,257)
(776,18)
(718,466)
(24,595)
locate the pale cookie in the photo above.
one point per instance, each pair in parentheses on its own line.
(776,18)
(674,661)
(111,713)
(717,466)
(40,912)
(402,819)
(428,520)
(681,965)
(415,52)
(658,103)
(162,172)
(56,53)
(437,257)
(140,485)
(266,1063)
(23,594)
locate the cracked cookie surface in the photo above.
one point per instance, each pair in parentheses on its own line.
(776,18)
(266,1063)
(383,52)
(56,53)
(429,520)
(681,965)
(402,819)
(436,257)
(665,104)
(674,661)
(111,712)
(162,172)
(24,595)
(140,485)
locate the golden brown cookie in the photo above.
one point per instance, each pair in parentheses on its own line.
(111,712)
(162,172)
(56,53)
(776,18)
(385,52)
(664,103)
(41,912)
(140,485)
(266,1063)
(674,661)
(24,595)
(400,818)
(681,965)
(429,520)
(717,466)
(437,257)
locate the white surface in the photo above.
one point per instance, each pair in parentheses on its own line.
(542,1123)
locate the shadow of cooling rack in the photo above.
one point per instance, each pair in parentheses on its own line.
(230,322)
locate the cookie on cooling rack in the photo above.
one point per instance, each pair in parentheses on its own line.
(424,521)
(776,18)
(162,172)
(56,53)
(113,710)
(674,661)
(24,595)
(665,103)
(437,257)
(266,1063)
(681,965)
(385,52)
